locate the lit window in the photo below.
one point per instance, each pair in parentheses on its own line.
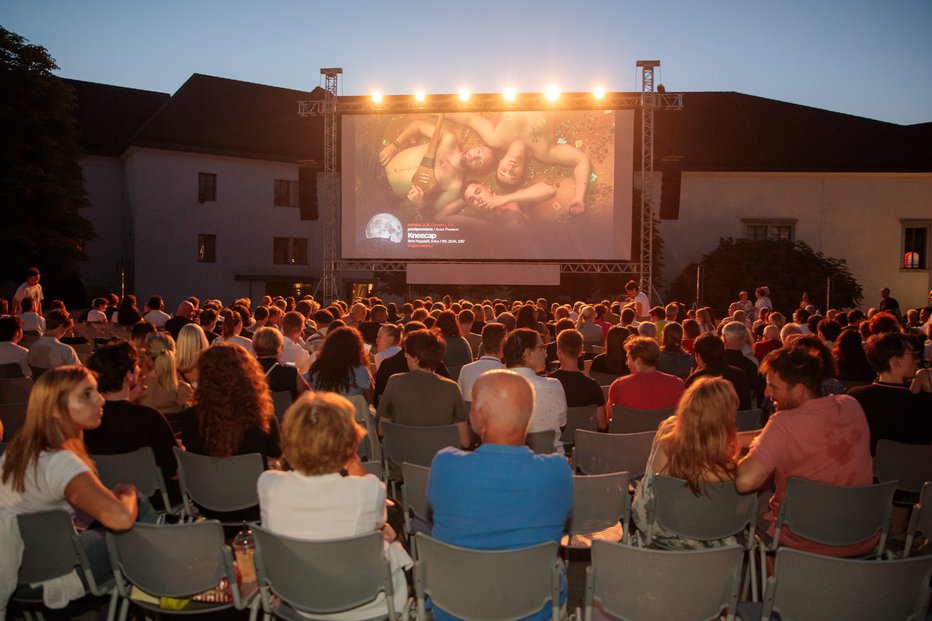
(206,248)
(915,245)
(289,251)
(206,187)
(772,230)
(286,193)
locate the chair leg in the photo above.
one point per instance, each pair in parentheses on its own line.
(112,606)
(124,609)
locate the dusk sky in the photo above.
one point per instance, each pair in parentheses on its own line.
(861,57)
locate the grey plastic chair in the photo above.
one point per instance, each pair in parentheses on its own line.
(369,448)
(321,577)
(137,468)
(414,499)
(15,390)
(579,417)
(174,560)
(220,484)
(641,584)
(630,420)
(541,442)
(13,417)
(604,379)
(52,549)
(601,509)
(486,584)
(749,420)
(810,586)
(910,465)
(281,401)
(920,521)
(373,468)
(11,370)
(414,445)
(603,453)
(718,512)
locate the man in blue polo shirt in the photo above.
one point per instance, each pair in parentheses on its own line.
(501,496)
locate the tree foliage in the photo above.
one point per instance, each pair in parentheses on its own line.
(787,268)
(41,184)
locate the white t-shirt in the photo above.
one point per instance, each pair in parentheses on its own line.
(295,353)
(157,318)
(25,291)
(45,485)
(642,303)
(10,352)
(331,506)
(95,316)
(235,340)
(549,405)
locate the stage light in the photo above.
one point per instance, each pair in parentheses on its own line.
(598,92)
(509,94)
(552,93)
(377,97)
(464,95)
(419,96)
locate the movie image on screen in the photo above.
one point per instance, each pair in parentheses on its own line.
(502,185)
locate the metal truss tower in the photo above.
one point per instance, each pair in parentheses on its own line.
(329,209)
(648,105)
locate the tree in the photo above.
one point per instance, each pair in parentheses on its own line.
(41,184)
(787,268)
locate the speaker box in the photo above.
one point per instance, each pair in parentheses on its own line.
(307,193)
(670,190)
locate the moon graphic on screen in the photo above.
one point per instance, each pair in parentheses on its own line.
(384,226)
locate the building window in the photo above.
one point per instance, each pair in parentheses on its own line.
(206,187)
(286,193)
(289,251)
(206,248)
(916,245)
(773,230)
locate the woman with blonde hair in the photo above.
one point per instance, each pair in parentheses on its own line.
(163,391)
(320,439)
(705,320)
(698,444)
(46,467)
(191,342)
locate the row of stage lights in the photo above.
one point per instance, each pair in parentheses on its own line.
(551,93)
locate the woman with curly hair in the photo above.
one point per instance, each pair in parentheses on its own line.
(232,412)
(458,352)
(163,391)
(698,444)
(343,364)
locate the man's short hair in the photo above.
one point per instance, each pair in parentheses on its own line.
(98,302)
(140,330)
(493,333)
(644,347)
(517,343)
(507,319)
(570,342)
(735,333)
(881,348)
(26,304)
(466,316)
(9,326)
(632,286)
(762,291)
(796,365)
(293,321)
(884,322)
(267,342)
(57,318)
(671,311)
(789,330)
(427,347)
(392,330)
(207,317)
(111,363)
(829,330)
(627,315)
(646,328)
(32,271)
(155,303)
(710,348)
(657,312)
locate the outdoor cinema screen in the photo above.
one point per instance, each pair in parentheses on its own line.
(504,185)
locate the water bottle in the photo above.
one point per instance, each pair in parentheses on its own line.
(244,549)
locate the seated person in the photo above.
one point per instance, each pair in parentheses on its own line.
(11,333)
(342,366)
(475,505)
(49,352)
(267,343)
(705,418)
(579,389)
(709,351)
(315,501)
(614,360)
(33,323)
(97,314)
(163,390)
(646,388)
(421,397)
(673,359)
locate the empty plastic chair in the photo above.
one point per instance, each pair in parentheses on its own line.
(486,584)
(137,468)
(11,370)
(541,442)
(579,417)
(373,467)
(218,484)
(281,401)
(749,420)
(601,509)
(603,453)
(630,420)
(414,445)
(641,584)
(604,379)
(921,519)
(13,417)
(369,448)
(15,390)
(910,465)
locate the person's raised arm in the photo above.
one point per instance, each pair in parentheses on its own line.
(751,475)
(523,196)
(116,510)
(483,127)
(566,155)
(413,129)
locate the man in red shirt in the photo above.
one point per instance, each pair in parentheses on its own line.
(646,388)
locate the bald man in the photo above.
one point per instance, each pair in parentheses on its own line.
(183,317)
(500,496)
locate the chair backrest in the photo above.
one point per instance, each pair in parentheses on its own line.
(11,370)
(920,521)
(13,417)
(630,420)
(600,501)
(835,515)
(718,512)
(602,453)
(373,468)
(486,584)
(174,560)
(37,371)
(541,442)
(15,390)
(749,420)
(414,491)
(910,465)
(663,584)
(812,586)
(604,379)
(323,576)
(370,446)
(137,467)
(416,445)
(219,483)
(281,401)
(578,417)
(50,549)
